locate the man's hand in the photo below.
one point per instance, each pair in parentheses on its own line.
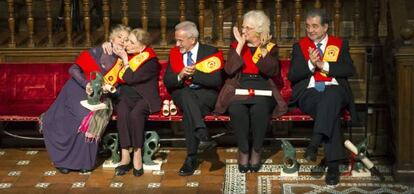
(187,72)
(107,48)
(88,89)
(314,56)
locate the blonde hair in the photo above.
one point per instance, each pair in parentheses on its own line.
(117,29)
(143,36)
(259,20)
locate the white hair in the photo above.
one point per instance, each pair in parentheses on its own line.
(190,28)
(259,20)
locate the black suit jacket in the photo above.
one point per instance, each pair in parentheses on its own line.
(300,75)
(210,83)
(145,82)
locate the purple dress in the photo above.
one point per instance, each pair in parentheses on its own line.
(67,147)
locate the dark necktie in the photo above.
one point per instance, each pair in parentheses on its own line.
(320,86)
(190,62)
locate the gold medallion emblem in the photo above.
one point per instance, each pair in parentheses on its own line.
(331,53)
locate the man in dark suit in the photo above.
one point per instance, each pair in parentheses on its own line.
(193,88)
(321,65)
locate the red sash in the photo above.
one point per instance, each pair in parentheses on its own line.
(331,53)
(177,64)
(87,63)
(250,66)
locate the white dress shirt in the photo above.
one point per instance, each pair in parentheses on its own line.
(194,52)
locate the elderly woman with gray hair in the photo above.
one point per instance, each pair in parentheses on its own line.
(249,94)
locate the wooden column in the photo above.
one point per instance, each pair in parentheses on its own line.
(68,22)
(375,21)
(201,7)
(106,19)
(49,24)
(144,16)
(337,17)
(404,136)
(163,21)
(239,8)
(317,4)
(259,4)
(124,10)
(357,18)
(220,20)
(30,23)
(278,20)
(12,28)
(181,7)
(298,11)
(87,23)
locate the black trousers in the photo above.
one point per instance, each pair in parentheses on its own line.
(132,115)
(252,114)
(195,104)
(326,109)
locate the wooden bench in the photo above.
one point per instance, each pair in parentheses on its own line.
(29,89)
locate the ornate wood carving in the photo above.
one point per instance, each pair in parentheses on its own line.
(239,8)
(356,36)
(298,10)
(30,23)
(163,21)
(105,10)
(375,21)
(68,22)
(259,4)
(220,20)
(201,7)
(49,24)
(124,10)
(87,23)
(10,8)
(337,17)
(181,7)
(144,16)
(278,20)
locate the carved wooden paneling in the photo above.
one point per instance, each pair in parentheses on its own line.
(337,17)
(220,20)
(49,24)
(239,10)
(87,23)
(356,36)
(30,23)
(259,4)
(163,22)
(278,20)
(201,7)
(10,9)
(181,7)
(144,16)
(404,166)
(106,19)
(68,22)
(124,10)
(298,12)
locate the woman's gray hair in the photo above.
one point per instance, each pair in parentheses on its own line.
(190,28)
(259,20)
(117,29)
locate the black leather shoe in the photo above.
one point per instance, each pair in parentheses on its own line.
(332,176)
(84,171)
(122,169)
(139,172)
(244,168)
(63,170)
(310,153)
(189,166)
(255,167)
(206,145)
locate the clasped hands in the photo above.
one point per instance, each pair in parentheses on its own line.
(315,59)
(187,72)
(106,88)
(241,39)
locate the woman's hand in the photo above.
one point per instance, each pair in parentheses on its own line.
(107,48)
(241,39)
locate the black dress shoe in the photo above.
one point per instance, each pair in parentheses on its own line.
(139,172)
(189,166)
(255,167)
(206,145)
(122,169)
(202,134)
(63,170)
(332,176)
(310,153)
(244,168)
(84,171)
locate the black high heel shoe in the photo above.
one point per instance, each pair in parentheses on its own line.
(255,167)
(122,169)
(244,168)
(139,172)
